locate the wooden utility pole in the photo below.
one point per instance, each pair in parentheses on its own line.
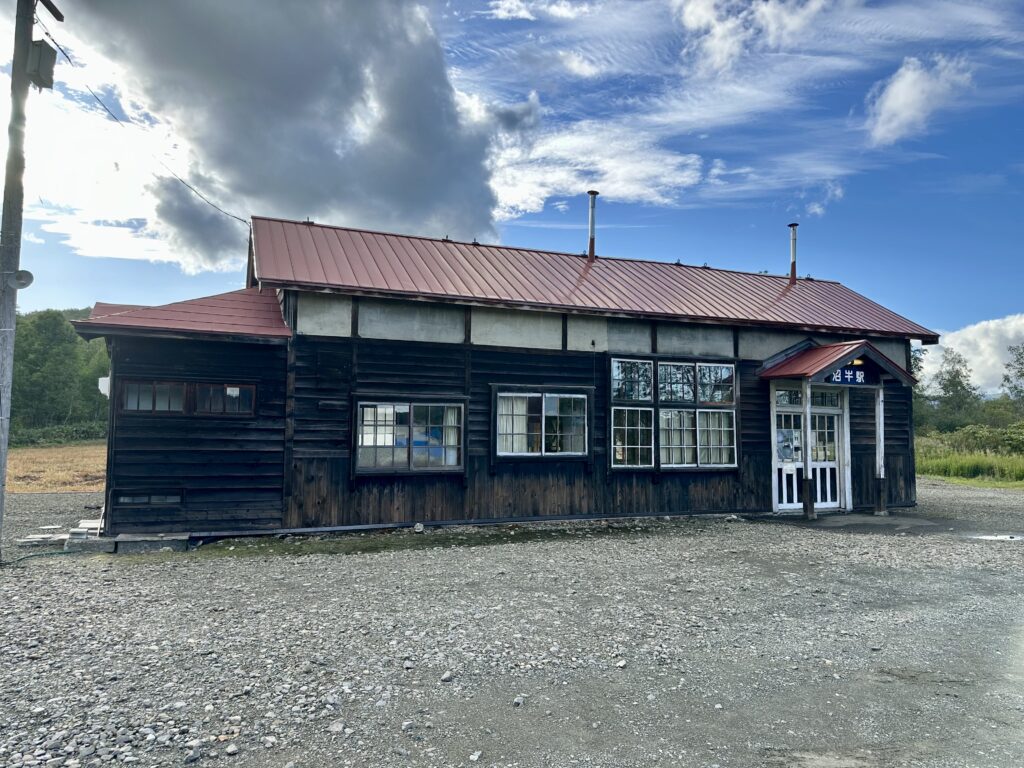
(10,224)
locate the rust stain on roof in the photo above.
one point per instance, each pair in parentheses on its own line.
(299,254)
(248,312)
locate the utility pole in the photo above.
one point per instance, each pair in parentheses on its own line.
(11,276)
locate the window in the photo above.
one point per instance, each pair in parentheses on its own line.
(715,384)
(153,397)
(149,499)
(792,397)
(676,383)
(678,437)
(232,399)
(541,424)
(716,434)
(825,398)
(436,436)
(700,435)
(403,437)
(633,437)
(632,379)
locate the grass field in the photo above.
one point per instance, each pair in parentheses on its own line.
(76,467)
(972,465)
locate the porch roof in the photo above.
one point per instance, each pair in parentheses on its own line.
(818,362)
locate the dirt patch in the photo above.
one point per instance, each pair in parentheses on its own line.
(60,468)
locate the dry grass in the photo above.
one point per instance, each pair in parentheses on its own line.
(77,467)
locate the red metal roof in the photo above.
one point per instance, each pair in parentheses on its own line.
(815,361)
(248,312)
(300,254)
(102,309)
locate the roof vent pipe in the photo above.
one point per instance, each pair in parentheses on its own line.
(792,253)
(593,205)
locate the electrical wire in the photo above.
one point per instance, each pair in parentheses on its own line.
(124,124)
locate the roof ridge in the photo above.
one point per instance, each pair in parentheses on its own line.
(582,254)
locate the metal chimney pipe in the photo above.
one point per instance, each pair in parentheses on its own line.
(593,206)
(792,253)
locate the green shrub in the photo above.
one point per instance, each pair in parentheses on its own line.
(59,434)
(971,465)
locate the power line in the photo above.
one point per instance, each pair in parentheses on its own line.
(124,124)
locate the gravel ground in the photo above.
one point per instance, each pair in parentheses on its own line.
(684,643)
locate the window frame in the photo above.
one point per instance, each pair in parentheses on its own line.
(194,386)
(653,362)
(122,386)
(525,389)
(696,438)
(735,439)
(694,406)
(543,453)
(409,469)
(653,409)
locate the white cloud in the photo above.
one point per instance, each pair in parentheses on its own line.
(510,9)
(29,237)
(575,63)
(526,10)
(723,30)
(984,345)
(901,106)
(625,165)
(832,191)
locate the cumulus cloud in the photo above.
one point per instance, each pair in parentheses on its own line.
(529,10)
(984,345)
(343,112)
(723,30)
(902,105)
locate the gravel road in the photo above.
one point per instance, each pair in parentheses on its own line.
(684,643)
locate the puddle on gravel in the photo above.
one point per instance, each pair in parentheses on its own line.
(997,536)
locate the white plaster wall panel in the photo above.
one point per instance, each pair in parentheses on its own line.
(516,328)
(629,336)
(411,321)
(324,314)
(696,340)
(587,334)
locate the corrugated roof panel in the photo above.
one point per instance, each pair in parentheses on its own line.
(248,312)
(343,259)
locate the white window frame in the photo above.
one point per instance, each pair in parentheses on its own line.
(654,427)
(735,385)
(409,468)
(696,385)
(734,446)
(696,437)
(543,452)
(654,379)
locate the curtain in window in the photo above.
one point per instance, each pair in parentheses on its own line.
(513,432)
(452,436)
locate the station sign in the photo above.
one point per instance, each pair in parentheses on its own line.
(852,375)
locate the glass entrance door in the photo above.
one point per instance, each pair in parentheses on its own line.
(827,444)
(825,459)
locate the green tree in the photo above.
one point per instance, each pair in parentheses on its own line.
(957,399)
(56,372)
(1013,379)
(924,403)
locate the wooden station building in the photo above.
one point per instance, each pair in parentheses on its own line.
(371,379)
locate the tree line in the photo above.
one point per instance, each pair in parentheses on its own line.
(55,390)
(950,402)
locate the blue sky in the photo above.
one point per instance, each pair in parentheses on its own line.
(893,132)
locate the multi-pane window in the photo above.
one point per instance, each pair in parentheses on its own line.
(676,383)
(716,434)
(632,380)
(153,397)
(534,424)
(693,410)
(232,399)
(715,384)
(632,437)
(678,437)
(436,436)
(409,436)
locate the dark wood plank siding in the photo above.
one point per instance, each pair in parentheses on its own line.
(327,493)
(900,468)
(228,469)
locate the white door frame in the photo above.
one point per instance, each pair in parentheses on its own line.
(843,462)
